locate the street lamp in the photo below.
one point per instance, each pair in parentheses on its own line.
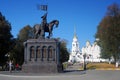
(7,55)
(84,56)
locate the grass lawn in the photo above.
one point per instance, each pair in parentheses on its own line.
(101,66)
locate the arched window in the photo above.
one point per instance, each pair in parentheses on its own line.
(50,52)
(32,53)
(76,45)
(44,52)
(38,52)
(73,45)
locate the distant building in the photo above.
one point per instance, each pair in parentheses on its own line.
(92,52)
(76,55)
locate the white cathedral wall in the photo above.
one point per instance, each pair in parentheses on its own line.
(92,51)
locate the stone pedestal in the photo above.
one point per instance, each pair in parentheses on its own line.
(41,56)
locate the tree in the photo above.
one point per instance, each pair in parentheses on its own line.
(64,54)
(108,32)
(25,33)
(17,54)
(6,39)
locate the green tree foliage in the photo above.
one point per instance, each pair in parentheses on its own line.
(17,54)
(108,32)
(6,38)
(64,54)
(25,33)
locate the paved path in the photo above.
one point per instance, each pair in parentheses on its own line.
(75,75)
(75,66)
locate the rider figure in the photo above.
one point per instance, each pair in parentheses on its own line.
(43,24)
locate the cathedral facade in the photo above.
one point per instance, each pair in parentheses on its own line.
(91,52)
(76,55)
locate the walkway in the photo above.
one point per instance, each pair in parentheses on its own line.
(75,75)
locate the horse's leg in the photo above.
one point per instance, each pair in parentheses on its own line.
(50,33)
(42,34)
(36,34)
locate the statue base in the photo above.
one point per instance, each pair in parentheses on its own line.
(43,67)
(41,56)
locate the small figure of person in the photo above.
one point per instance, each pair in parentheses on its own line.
(44,20)
(17,66)
(117,64)
(10,66)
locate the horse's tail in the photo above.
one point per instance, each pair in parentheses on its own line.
(34,29)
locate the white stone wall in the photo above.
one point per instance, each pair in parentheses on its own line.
(92,52)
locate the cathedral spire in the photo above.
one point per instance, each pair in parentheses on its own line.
(75,36)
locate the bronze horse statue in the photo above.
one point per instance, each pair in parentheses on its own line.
(40,32)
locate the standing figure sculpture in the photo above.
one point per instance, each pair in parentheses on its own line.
(40,29)
(43,24)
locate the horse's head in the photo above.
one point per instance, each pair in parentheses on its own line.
(55,22)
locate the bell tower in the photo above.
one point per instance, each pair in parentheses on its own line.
(75,44)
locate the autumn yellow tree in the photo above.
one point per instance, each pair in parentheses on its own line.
(108,32)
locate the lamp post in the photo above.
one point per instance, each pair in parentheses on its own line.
(84,56)
(8,56)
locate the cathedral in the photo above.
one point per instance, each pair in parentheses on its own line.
(76,55)
(91,52)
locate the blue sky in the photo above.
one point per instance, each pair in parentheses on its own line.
(84,15)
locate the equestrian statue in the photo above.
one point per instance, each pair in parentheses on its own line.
(40,29)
